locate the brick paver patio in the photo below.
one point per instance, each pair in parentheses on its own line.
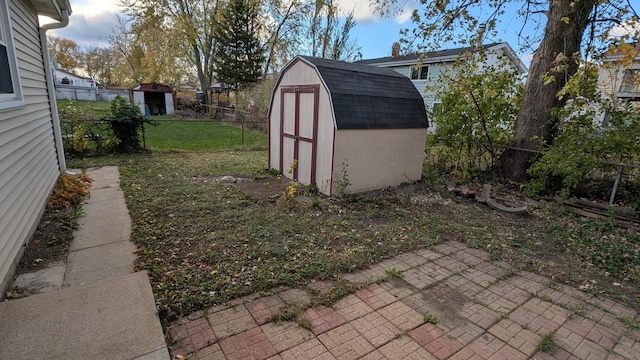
(449,302)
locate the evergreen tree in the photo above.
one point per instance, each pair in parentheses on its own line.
(239,56)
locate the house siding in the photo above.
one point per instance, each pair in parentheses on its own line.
(28,161)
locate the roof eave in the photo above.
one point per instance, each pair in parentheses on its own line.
(54,9)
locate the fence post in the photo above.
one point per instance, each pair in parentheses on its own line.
(615,184)
(144,141)
(242,132)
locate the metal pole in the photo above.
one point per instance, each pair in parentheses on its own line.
(242,133)
(615,184)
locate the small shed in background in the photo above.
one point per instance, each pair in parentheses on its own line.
(153,99)
(330,121)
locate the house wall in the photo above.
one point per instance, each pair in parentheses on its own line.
(611,75)
(66,92)
(28,162)
(378,158)
(438,67)
(300,73)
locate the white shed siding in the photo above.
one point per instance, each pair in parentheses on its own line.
(356,147)
(301,73)
(28,162)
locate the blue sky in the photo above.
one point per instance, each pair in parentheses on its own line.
(92,20)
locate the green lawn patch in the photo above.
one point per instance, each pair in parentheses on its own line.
(100,109)
(173,134)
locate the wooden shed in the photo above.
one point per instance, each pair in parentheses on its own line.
(153,99)
(331,121)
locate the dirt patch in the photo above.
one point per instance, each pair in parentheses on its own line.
(264,188)
(50,242)
(446,303)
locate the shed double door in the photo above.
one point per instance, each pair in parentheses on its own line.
(299,124)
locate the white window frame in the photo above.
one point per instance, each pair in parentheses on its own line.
(15,99)
(420,72)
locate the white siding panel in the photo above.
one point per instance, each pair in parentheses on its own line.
(28,162)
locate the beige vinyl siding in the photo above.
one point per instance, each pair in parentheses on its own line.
(28,162)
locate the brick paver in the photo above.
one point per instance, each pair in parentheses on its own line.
(251,344)
(402,316)
(231,321)
(451,263)
(376,329)
(352,307)
(295,297)
(436,341)
(465,286)
(540,316)
(312,350)
(345,342)
(478,309)
(517,336)
(480,315)
(375,296)
(213,352)
(285,335)
(323,319)
(264,308)
(405,348)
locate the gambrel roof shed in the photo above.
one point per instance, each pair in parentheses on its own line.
(326,113)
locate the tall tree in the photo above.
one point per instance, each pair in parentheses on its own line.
(284,23)
(565,23)
(66,52)
(239,55)
(100,64)
(192,26)
(330,38)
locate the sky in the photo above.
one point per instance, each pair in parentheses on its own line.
(92,20)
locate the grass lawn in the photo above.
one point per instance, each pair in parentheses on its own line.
(204,243)
(100,109)
(169,134)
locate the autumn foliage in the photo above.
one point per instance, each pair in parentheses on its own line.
(69,191)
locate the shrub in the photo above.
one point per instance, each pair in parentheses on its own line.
(474,120)
(126,120)
(82,131)
(585,147)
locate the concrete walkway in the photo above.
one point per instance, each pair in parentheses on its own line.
(101,309)
(450,302)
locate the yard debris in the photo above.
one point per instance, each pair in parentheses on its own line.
(591,209)
(463,190)
(501,204)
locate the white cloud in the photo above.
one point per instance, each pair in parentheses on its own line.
(362,10)
(404,16)
(628,28)
(90,22)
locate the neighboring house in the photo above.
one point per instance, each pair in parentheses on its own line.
(63,77)
(619,75)
(74,87)
(31,154)
(425,68)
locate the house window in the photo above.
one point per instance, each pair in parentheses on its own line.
(630,81)
(10,91)
(419,72)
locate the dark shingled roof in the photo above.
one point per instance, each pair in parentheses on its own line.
(415,56)
(368,97)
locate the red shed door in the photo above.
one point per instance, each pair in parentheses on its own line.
(299,124)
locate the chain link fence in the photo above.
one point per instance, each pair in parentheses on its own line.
(216,130)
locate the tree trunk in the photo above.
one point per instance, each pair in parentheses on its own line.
(201,76)
(535,125)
